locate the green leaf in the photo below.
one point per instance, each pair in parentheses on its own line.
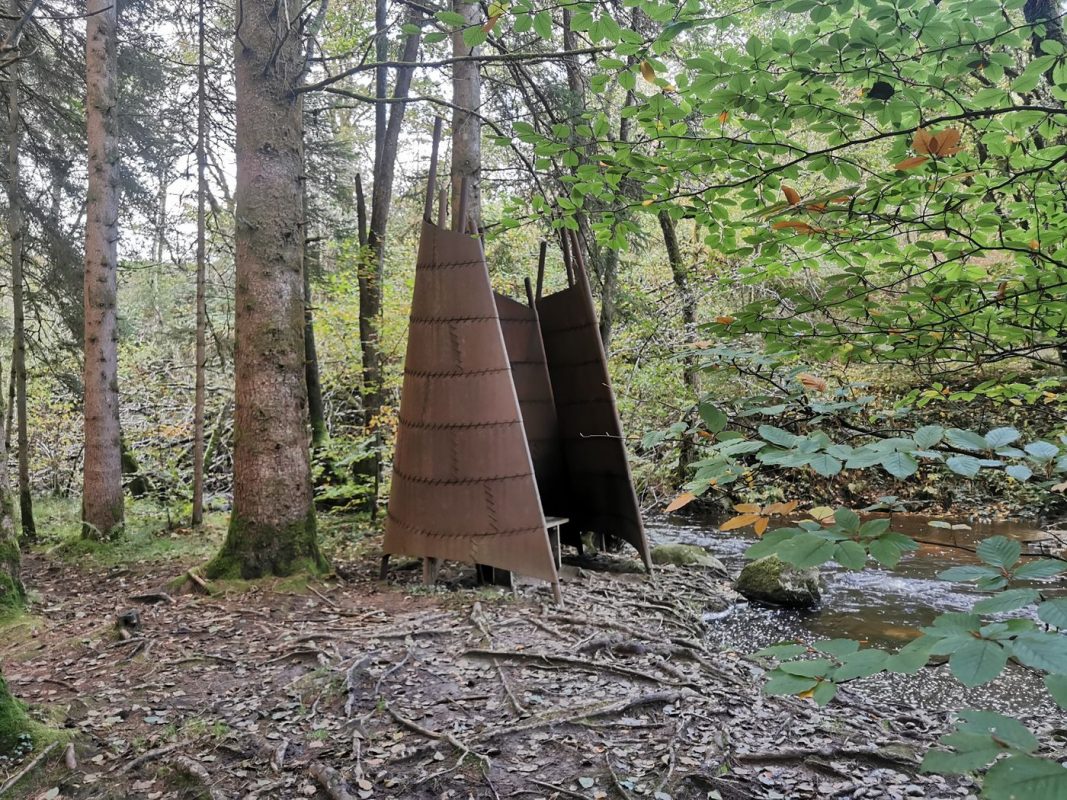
(714,418)
(451,18)
(900,465)
(808,668)
(886,552)
(1020,472)
(542,24)
(973,751)
(1039,569)
(824,464)
(784,683)
(780,651)
(850,555)
(1057,687)
(474,36)
(967,573)
(824,692)
(1004,730)
(1040,650)
(806,550)
(999,437)
(1042,451)
(837,647)
(911,657)
(977,662)
(968,466)
(1054,612)
(1007,601)
(966,440)
(777,436)
(1025,778)
(847,519)
(928,436)
(862,664)
(1000,551)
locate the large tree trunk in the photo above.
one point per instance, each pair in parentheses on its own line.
(466,124)
(272,526)
(102,510)
(200,391)
(16,228)
(387,129)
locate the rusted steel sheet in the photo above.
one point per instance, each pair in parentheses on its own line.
(529,371)
(463,484)
(590,431)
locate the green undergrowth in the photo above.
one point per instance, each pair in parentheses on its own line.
(152,533)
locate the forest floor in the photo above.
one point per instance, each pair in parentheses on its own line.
(350,687)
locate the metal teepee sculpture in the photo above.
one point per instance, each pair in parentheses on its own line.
(506,415)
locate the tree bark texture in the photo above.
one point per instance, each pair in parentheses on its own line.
(102,511)
(200,390)
(16,231)
(272,526)
(466,124)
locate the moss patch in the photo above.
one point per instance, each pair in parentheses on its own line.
(256,550)
(773,581)
(15,726)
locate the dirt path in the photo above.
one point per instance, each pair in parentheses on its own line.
(355,688)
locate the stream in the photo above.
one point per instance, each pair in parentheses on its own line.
(879,607)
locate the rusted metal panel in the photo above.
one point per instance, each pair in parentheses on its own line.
(594,454)
(529,371)
(463,484)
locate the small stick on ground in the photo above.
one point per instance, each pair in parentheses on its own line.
(323,597)
(548,660)
(560,789)
(464,749)
(195,770)
(615,778)
(198,581)
(145,757)
(26,770)
(331,781)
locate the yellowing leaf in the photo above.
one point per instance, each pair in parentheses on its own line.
(822,513)
(723,117)
(813,382)
(739,522)
(782,508)
(647,201)
(761,526)
(488,26)
(747,508)
(791,194)
(725,319)
(1035,244)
(911,163)
(648,71)
(797,225)
(681,500)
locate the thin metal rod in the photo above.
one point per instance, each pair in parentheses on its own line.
(529,291)
(442,209)
(541,268)
(565,246)
(431,184)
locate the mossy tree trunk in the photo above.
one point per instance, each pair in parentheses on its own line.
(272,526)
(102,510)
(11,592)
(13,720)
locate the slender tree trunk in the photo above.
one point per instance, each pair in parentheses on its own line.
(102,510)
(272,526)
(11,591)
(690,374)
(16,230)
(316,409)
(200,392)
(388,125)
(466,125)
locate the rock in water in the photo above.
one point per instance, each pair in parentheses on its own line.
(686,555)
(771,580)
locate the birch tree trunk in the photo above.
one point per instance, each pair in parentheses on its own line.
(200,391)
(102,511)
(272,526)
(466,125)
(16,229)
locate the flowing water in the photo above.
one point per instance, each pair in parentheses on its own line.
(880,607)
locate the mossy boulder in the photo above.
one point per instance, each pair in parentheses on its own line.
(771,580)
(686,555)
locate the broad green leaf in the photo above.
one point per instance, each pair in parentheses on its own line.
(999,437)
(911,657)
(861,664)
(777,436)
(1057,687)
(1042,451)
(1004,730)
(1041,650)
(825,464)
(808,668)
(900,465)
(850,555)
(1021,777)
(1006,601)
(1039,569)
(714,418)
(977,662)
(967,573)
(847,519)
(928,436)
(784,683)
(1000,551)
(1020,472)
(1054,612)
(806,550)
(966,440)
(968,466)
(837,647)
